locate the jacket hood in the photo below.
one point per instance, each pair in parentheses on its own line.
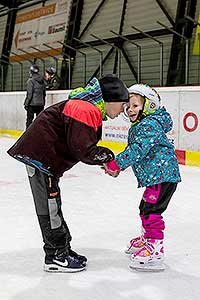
(90,93)
(39,78)
(164,118)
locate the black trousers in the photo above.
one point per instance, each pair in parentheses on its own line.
(156,198)
(47,199)
(31,111)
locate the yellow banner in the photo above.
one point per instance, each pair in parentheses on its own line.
(196,48)
(36,13)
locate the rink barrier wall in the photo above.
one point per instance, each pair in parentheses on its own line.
(182,103)
(189,158)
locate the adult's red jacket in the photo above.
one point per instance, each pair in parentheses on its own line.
(61,136)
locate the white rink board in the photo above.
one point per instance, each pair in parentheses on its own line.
(190,118)
(182,102)
(12,112)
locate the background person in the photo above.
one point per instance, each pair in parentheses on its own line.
(61,136)
(35,94)
(52,79)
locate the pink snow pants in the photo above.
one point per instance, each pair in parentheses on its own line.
(154,202)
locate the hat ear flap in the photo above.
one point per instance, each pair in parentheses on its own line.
(149,107)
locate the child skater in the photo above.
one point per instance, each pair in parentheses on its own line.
(153,160)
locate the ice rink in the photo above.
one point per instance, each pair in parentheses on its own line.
(102,214)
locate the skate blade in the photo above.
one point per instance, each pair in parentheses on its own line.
(57,269)
(150,267)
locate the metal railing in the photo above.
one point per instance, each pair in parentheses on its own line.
(7,67)
(161,51)
(138,74)
(117,49)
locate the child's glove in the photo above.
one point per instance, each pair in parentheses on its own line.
(112,168)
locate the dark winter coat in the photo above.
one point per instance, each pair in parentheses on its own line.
(53,83)
(36,91)
(64,134)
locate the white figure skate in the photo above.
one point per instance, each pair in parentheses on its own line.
(149,258)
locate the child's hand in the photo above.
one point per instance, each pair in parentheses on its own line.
(111,168)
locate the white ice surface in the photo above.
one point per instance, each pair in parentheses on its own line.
(102,214)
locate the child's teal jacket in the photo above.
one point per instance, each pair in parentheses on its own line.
(149,151)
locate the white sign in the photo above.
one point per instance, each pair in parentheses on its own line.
(46,24)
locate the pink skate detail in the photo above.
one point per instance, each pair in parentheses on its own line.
(152,250)
(152,193)
(135,244)
(154,226)
(147,250)
(151,240)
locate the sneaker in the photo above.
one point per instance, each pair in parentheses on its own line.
(81,258)
(135,244)
(63,263)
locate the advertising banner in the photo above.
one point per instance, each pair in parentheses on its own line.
(47,24)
